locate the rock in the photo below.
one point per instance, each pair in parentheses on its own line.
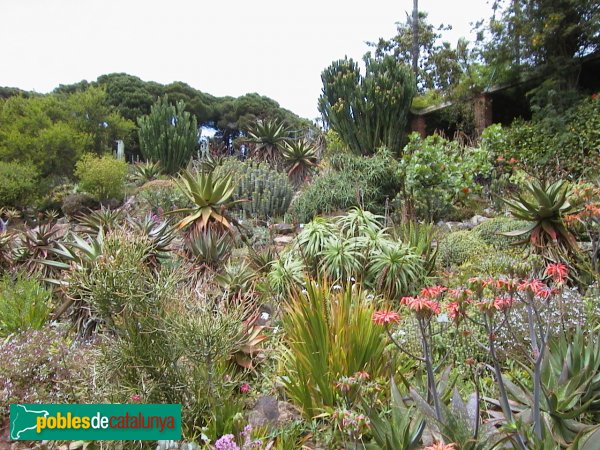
(268,411)
(476,220)
(453,226)
(283,228)
(282,241)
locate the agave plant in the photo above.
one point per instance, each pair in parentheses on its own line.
(394,269)
(269,138)
(210,199)
(147,171)
(300,159)
(236,279)
(102,220)
(570,375)
(209,248)
(545,209)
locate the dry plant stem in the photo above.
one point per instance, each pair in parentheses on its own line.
(429,368)
(489,328)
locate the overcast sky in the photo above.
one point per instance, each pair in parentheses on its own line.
(222,47)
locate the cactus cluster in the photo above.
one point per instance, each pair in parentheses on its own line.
(267,192)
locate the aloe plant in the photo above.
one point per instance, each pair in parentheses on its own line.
(211,200)
(209,249)
(147,171)
(545,209)
(104,219)
(300,159)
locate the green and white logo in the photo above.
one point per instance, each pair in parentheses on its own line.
(95,422)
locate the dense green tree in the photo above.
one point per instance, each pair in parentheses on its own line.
(168,135)
(438,63)
(368,111)
(548,34)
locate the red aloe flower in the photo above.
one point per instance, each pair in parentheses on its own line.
(558,272)
(432,291)
(385,317)
(424,306)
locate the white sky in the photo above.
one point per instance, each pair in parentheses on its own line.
(222,47)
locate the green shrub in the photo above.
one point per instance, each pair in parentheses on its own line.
(18,184)
(456,248)
(353,181)
(102,177)
(490,231)
(511,262)
(440,173)
(268,191)
(24,304)
(162,195)
(553,146)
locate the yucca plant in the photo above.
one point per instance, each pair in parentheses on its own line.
(286,274)
(104,219)
(329,334)
(146,171)
(395,269)
(357,222)
(342,259)
(209,248)
(545,208)
(211,199)
(269,138)
(300,159)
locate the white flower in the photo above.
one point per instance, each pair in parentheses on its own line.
(265,316)
(337,287)
(443,318)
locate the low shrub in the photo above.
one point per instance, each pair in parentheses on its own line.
(352,181)
(102,177)
(18,184)
(491,231)
(24,305)
(77,204)
(162,196)
(456,248)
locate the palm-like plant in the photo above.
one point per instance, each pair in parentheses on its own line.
(269,138)
(300,158)
(356,222)
(210,198)
(342,259)
(545,210)
(394,269)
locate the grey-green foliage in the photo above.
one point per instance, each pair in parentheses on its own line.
(491,231)
(268,191)
(368,111)
(456,248)
(169,135)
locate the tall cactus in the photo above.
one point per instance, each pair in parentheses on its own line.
(368,111)
(168,134)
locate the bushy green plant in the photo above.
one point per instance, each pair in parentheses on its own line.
(18,184)
(353,181)
(24,305)
(102,177)
(456,248)
(438,173)
(266,193)
(162,196)
(330,334)
(491,231)
(553,146)
(168,135)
